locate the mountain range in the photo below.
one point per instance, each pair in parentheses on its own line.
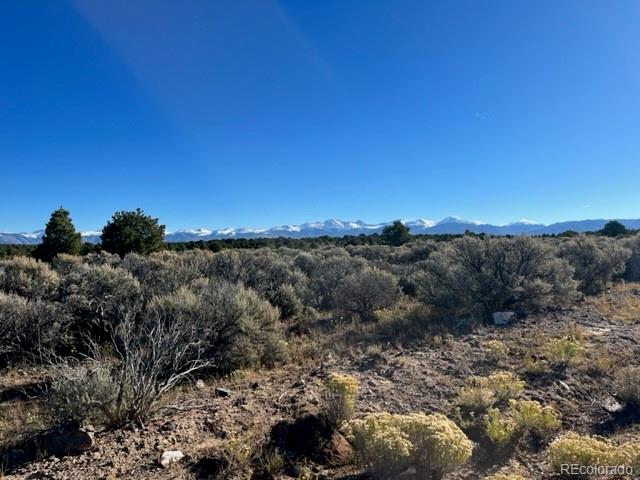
(339,228)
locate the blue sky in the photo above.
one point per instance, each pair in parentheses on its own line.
(259,113)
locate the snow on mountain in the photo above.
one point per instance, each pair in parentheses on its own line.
(339,228)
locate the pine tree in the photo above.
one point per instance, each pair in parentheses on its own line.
(60,236)
(613,229)
(132,232)
(396,234)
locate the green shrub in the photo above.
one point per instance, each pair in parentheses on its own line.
(562,351)
(388,444)
(500,429)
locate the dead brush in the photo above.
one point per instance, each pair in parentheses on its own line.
(621,304)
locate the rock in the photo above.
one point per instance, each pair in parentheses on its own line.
(170,457)
(503,318)
(610,405)
(565,386)
(168,426)
(66,440)
(200,384)
(223,392)
(337,451)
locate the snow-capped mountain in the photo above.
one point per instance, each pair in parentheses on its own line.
(339,228)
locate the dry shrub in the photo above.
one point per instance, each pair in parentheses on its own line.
(30,330)
(597,261)
(628,385)
(97,296)
(632,270)
(505,476)
(476,398)
(496,350)
(523,416)
(29,278)
(619,304)
(562,352)
(530,415)
(340,392)
(481,393)
(500,428)
(388,444)
(365,291)
(471,277)
(505,385)
(572,448)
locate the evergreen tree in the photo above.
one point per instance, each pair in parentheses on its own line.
(396,234)
(60,236)
(613,229)
(132,232)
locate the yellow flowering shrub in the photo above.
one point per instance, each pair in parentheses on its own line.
(573,448)
(389,443)
(500,428)
(523,416)
(496,350)
(340,393)
(505,385)
(505,476)
(476,398)
(530,415)
(482,392)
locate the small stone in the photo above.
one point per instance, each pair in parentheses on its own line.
(610,405)
(168,426)
(223,392)
(503,318)
(170,457)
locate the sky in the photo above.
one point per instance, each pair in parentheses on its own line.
(270,112)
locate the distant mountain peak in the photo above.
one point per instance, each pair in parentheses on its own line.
(338,228)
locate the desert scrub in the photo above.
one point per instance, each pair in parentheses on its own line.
(505,385)
(340,393)
(496,350)
(475,398)
(562,351)
(482,392)
(505,476)
(531,415)
(500,428)
(536,367)
(389,444)
(523,416)
(628,386)
(573,448)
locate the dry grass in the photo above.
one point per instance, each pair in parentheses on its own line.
(620,304)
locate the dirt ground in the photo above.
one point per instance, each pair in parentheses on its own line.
(421,377)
